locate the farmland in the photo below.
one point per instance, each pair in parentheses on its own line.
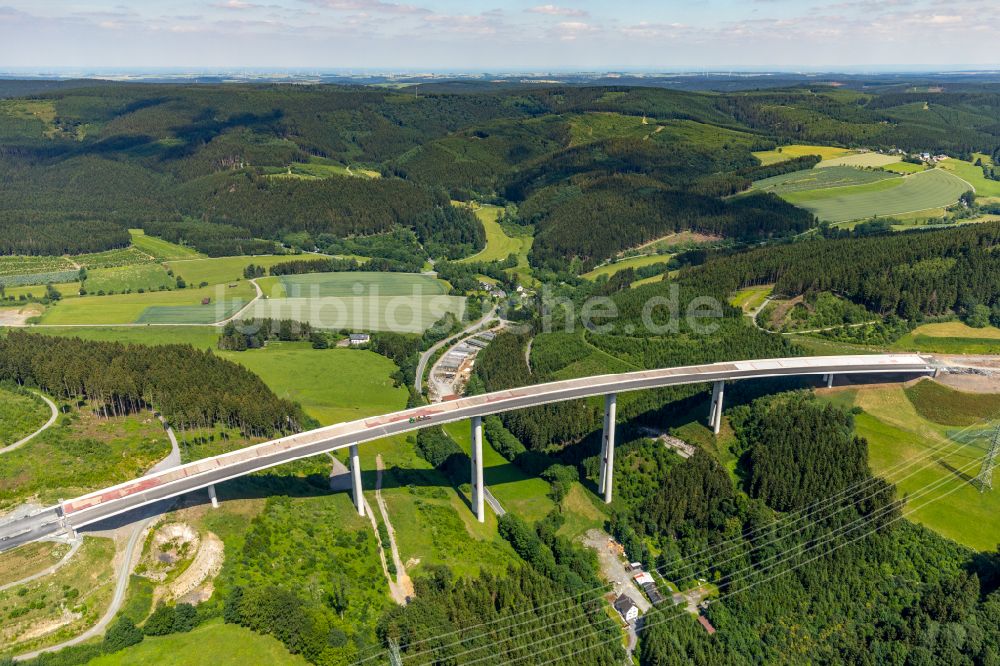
(921,191)
(799,150)
(951,338)
(432,520)
(221,270)
(860,160)
(181,306)
(148,277)
(819,179)
(403,314)
(324,285)
(318,168)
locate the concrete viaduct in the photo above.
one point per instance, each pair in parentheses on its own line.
(102,504)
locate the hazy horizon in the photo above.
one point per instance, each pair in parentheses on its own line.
(520,36)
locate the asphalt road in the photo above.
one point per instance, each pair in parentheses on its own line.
(124,497)
(418,382)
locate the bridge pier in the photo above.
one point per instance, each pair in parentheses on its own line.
(359,499)
(212,496)
(608,447)
(829,380)
(478,496)
(715,411)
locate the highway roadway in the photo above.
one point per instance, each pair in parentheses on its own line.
(93,507)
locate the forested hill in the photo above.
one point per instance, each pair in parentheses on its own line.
(909,274)
(273,160)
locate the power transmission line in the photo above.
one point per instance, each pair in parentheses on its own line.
(985,478)
(849,492)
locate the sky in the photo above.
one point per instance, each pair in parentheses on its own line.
(499,36)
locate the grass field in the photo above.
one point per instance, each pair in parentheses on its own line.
(974,175)
(930,189)
(200,337)
(160,249)
(628,262)
(860,160)
(499,245)
(897,433)
(785,153)
(951,338)
(332,385)
(905,167)
(55,608)
(819,179)
(339,285)
(148,277)
(403,314)
(181,306)
(222,270)
(20,415)
(751,298)
(210,643)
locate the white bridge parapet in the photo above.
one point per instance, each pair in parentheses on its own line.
(123,497)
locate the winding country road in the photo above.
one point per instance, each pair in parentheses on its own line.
(418,381)
(173,459)
(48,424)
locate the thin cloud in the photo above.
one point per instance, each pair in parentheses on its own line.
(555,10)
(369,6)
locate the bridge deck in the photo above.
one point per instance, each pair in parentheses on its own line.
(117,499)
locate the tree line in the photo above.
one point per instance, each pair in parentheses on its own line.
(191,388)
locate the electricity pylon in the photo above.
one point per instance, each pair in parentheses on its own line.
(394,657)
(985,478)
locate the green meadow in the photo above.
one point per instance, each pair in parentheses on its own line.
(934,459)
(951,338)
(219,270)
(332,385)
(180,306)
(920,191)
(785,153)
(325,285)
(628,262)
(819,179)
(212,642)
(160,249)
(402,314)
(499,245)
